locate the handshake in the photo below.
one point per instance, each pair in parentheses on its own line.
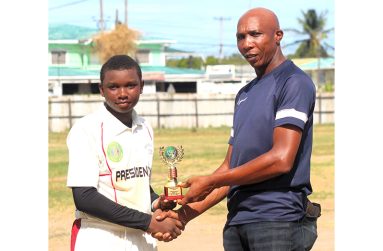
(166,223)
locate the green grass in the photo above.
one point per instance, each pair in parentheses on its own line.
(204,151)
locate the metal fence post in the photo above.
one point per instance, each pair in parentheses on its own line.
(70,112)
(158,113)
(320,107)
(196,111)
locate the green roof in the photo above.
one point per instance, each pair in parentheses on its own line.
(171,70)
(70,32)
(169,49)
(74,32)
(312,63)
(73,72)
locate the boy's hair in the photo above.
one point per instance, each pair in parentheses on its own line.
(119,62)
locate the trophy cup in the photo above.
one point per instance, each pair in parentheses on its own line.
(171,155)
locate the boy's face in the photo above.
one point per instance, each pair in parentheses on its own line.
(121,89)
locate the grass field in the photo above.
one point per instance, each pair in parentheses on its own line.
(204,150)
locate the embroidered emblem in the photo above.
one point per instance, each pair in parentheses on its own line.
(114,152)
(241,100)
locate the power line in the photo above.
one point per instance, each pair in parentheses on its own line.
(221,19)
(68,4)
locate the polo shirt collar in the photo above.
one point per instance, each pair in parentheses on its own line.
(115,126)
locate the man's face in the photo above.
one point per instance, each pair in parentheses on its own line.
(121,89)
(256,40)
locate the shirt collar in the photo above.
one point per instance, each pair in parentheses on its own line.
(115,126)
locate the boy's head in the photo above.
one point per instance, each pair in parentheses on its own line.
(121,85)
(119,62)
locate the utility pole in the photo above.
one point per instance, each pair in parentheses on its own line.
(319,55)
(116,22)
(101,23)
(221,19)
(126,12)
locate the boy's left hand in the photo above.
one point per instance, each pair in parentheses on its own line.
(164,204)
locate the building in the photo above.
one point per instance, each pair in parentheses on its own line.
(74,68)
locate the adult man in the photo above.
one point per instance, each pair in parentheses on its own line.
(110,162)
(266,172)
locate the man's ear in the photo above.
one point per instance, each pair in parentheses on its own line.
(278,36)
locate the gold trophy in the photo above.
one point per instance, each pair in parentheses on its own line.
(171,155)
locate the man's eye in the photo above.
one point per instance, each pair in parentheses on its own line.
(240,37)
(255,34)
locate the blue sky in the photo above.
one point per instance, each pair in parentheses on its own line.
(194,24)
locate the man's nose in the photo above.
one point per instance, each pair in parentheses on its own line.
(247,43)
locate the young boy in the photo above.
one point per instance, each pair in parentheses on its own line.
(110,163)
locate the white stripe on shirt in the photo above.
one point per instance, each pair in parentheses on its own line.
(291,113)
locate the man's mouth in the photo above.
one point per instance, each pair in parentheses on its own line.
(249,56)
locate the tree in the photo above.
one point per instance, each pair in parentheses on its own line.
(211,60)
(313,29)
(190,62)
(121,40)
(235,59)
(198,62)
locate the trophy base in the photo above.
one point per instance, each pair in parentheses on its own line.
(173,193)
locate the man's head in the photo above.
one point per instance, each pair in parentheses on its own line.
(258,39)
(121,84)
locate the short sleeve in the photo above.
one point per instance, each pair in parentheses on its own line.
(295,102)
(83,169)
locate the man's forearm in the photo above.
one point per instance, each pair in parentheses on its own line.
(192,210)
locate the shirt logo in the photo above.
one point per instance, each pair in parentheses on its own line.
(114,152)
(241,100)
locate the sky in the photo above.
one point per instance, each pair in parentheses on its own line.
(193,25)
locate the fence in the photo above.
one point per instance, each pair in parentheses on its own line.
(170,110)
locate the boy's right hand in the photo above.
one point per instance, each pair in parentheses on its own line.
(169,227)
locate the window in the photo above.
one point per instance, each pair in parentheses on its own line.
(58,56)
(94,59)
(142,56)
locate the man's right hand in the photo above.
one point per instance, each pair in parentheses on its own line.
(199,188)
(178,214)
(170,227)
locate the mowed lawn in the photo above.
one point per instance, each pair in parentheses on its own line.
(204,150)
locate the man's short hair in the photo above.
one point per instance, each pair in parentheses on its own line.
(120,62)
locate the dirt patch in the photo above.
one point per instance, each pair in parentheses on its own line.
(203,233)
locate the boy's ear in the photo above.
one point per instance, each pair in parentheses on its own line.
(142,86)
(101,90)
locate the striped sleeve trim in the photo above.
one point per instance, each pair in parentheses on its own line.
(291,113)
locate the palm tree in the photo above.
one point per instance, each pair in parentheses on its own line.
(313,29)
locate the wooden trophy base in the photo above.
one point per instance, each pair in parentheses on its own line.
(173,193)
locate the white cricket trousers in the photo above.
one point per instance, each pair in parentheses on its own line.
(88,234)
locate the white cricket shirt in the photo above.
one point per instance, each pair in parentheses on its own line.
(115,159)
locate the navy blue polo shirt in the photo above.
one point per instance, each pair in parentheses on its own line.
(286,95)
